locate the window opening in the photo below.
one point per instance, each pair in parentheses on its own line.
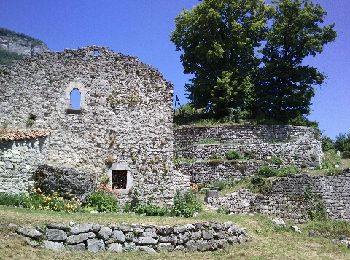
(119,179)
(96,53)
(75,97)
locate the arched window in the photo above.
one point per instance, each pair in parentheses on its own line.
(75,99)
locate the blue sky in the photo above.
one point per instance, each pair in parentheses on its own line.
(142,28)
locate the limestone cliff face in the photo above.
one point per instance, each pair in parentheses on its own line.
(20,44)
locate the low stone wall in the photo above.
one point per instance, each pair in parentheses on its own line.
(63,180)
(18,160)
(206,172)
(133,237)
(293,144)
(287,197)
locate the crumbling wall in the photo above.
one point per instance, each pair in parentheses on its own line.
(293,197)
(293,144)
(18,160)
(125,118)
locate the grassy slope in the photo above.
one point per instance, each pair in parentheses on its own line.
(266,242)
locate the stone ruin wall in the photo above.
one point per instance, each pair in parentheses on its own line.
(206,236)
(18,160)
(287,197)
(125,119)
(208,172)
(293,144)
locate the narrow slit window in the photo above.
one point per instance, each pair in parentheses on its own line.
(119,179)
(75,98)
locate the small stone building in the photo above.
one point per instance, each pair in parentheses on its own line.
(103,114)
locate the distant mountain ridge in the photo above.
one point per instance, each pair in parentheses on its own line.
(14,45)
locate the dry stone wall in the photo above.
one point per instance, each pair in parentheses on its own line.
(18,159)
(290,197)
(207,172)
(124,122)
(293,144)
(134,237)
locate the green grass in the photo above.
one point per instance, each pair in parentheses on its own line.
(266,241)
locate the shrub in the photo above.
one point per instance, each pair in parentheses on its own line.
(275,160)
(260,184)
(327,143)
(331,163)
(150,209)
(232,155)
(38,200)
(102,202)
(287,170)
(186,205)
(218,185)
(18,200)
(267,171)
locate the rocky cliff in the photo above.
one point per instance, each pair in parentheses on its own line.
(14,46)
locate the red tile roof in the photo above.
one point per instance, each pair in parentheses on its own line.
(13,135)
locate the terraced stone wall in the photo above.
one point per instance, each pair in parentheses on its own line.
(294,197)
(293,144)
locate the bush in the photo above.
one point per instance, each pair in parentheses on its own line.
(186,205)
(102,202)
(260,184)
(287,170)
(17,200)
(267,171)
(331,163)
(232,155)
(150,210)
(218,185)
(327,143)
(342,144)
(38,200)
(276,160)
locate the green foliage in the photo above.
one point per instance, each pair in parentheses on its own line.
(186,205)
(260,184)
(286,84)
(183,160)
(332,229)
(102,202)
(248,58)
(9,33)
(208,141)
(13,199)
(275,160)
(316,207)
(267,171)
(331,163)
(148,209)
(327,144)
(287,170)
(218,40)
(37,200)
(232,155)
(342,144)
(218,185)
(7,58)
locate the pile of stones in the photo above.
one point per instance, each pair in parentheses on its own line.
(133,237)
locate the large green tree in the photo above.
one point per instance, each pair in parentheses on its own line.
(248,55)
(286,83)
(218,40)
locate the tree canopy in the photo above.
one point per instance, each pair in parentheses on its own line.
(247,56)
